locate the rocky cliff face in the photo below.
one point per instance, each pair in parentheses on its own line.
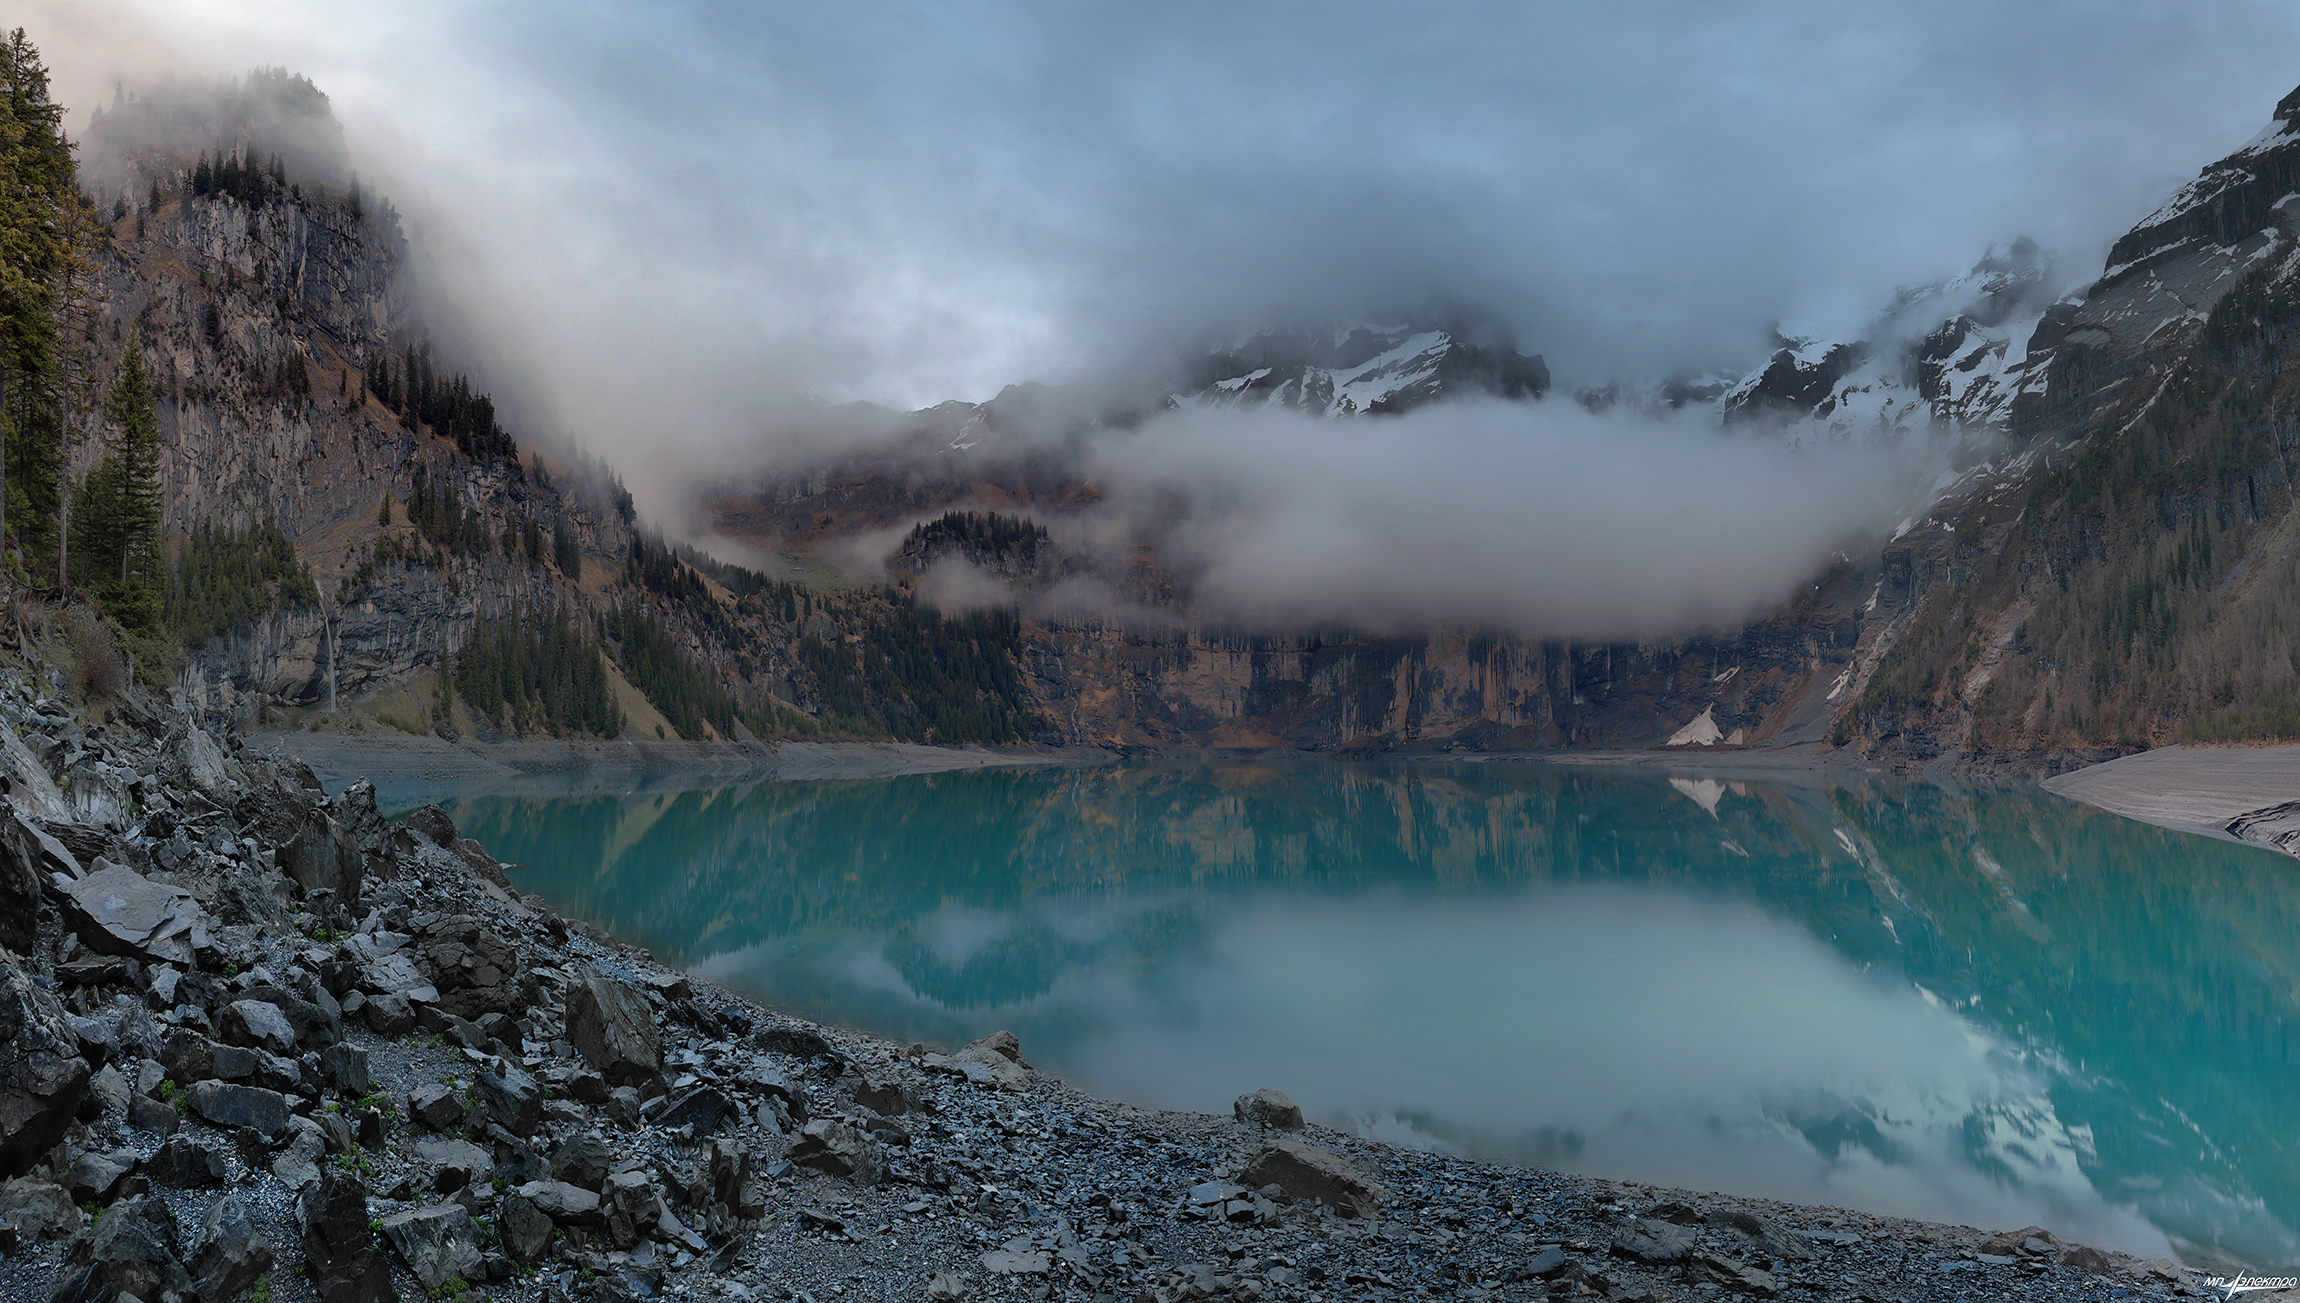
(1773,682)
(261,318)
(2114,577)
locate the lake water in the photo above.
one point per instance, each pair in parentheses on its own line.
(1979,1005)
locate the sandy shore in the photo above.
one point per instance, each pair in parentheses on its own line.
(2193,789)
(403,763)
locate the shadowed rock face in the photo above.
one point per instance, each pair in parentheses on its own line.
(131,1253)
(611,1026)
(42,1076)
(228,1255)
(346,1266)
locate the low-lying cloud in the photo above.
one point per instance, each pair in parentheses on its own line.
(1542,518)
(672,222)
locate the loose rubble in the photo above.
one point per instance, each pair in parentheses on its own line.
(257,1042)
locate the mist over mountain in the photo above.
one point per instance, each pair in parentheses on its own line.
(742,207)
(1521,379)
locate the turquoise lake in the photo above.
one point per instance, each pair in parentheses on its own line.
(1984,1005)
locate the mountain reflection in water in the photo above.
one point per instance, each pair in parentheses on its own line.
(1980,1005)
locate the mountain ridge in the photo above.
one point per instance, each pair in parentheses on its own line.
(273,312)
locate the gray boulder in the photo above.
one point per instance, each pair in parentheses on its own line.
(613,1027)
(583,1159)
(454,1162)
(996,1060)
(832,1147)
(40,1209)
(512,1099)
(199,762)
(148,1114)
(1653,1241)
(1311,1174)
(31,792)
(228,1255)
(298,1164)
(704,1108)
(388,1015)
(355,809)
(568,1205)
(1269,1108)
(186,1056)
(345,1264)
(118,911)
(132,1252)
(43,1079)
(435,825)
(92,1177)
(1735,1275)
(632,1206)
(315,1025)
(475,970)
(887,1099)
(25,866)
(526,1229)
(436,1106)
(256,1023)
(98,794)
(1764,1233)
(323,857)
(345,1067)
(437,1243)
(225,1104)
(186,1163)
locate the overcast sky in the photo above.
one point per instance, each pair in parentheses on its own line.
(914,202)
(668,218)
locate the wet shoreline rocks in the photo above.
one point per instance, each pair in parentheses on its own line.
(254,1038)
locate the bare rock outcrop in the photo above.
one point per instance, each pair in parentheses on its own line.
(43,1079)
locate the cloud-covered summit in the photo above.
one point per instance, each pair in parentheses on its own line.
(673,219)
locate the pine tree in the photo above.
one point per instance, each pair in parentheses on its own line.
(564,550)
(118,524)
(41,214)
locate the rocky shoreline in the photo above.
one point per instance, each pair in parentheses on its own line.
(259,1043)
(404,762)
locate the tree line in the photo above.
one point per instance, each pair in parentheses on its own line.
(529,673)
(223,578)
(247,180)
(448,404)
(924,677)
(651,658)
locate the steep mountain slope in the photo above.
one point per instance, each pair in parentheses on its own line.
(1950,360)
(2130,580)
(271,307)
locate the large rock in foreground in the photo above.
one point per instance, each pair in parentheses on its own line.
(42,1076)
(121,912)
(132,1253)
(476,970)
(346,1266)
(611,1024)
(438,1243)
(1308,1173)
(228,1255)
